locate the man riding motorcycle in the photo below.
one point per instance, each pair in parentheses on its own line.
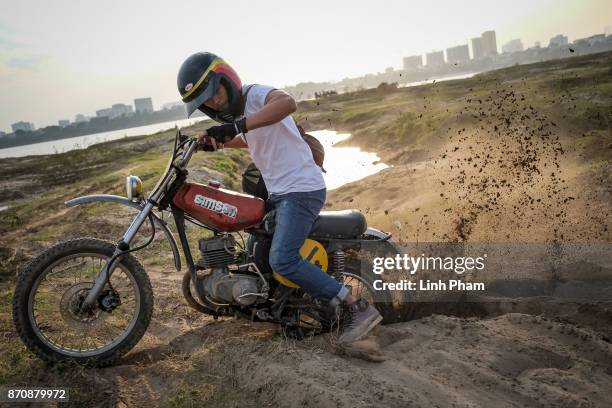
(261,117)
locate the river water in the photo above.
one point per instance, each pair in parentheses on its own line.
(345,164)
(439,79)
(342,164)
(82,142)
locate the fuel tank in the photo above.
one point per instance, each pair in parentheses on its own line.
(220,209)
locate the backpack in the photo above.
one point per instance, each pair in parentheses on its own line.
(318,152)
(253,183)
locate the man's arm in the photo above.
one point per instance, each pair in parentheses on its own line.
(278,106)
(237,143)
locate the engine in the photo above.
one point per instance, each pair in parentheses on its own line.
(218,252)
(223,281)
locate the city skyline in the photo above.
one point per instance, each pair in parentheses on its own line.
(116,64)
(462,53)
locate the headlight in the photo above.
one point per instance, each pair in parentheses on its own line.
(133,185)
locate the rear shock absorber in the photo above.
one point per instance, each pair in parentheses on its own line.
(338,265)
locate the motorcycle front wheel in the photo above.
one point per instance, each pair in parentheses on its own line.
(49,292)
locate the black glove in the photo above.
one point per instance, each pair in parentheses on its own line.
(225,133)
(206,144)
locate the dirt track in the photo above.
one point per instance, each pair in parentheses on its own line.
(533,357)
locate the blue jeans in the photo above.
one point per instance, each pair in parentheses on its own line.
(295,215)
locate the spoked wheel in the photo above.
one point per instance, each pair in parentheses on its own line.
(50,291)
(324,318)
(361,287)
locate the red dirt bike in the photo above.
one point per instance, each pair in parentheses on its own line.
(91,301)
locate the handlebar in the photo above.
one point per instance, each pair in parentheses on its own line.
(190,146)
(187,153)
(180,159)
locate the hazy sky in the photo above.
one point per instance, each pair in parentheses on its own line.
(59,58)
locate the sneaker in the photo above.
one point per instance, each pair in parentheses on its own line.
(357,320)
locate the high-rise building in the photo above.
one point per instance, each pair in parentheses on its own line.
(460,53)
(171,105)
(143,104)
(80,118)
(489,43)
(121,109)
(106,112)
(477,51)
(99,121)
(25,126)
(511,46)
(435,58)
(596,39)
(63,122)
(413,62)
(558,41)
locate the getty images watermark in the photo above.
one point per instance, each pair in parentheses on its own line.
(413,264)
(579,272)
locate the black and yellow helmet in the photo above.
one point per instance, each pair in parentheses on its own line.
(198,80)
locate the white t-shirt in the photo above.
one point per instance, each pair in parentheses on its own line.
(279,151)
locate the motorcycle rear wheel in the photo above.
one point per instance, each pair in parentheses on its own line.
(324,318)
(46,302)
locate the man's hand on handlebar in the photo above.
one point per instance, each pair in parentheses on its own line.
(226,132)
(214,137)
(208,143)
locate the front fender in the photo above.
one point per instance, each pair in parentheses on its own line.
(108,198)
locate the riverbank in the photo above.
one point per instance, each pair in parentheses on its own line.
(82,142)
(93,126)
(518,154)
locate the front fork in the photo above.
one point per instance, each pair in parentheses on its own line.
(122,246)
(124,243)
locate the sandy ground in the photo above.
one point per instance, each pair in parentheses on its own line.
(505,355)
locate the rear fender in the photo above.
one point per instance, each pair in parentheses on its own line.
(108,198)
(375,235)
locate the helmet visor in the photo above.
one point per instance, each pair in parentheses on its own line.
(209,92)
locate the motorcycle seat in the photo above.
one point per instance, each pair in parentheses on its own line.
(344,224)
